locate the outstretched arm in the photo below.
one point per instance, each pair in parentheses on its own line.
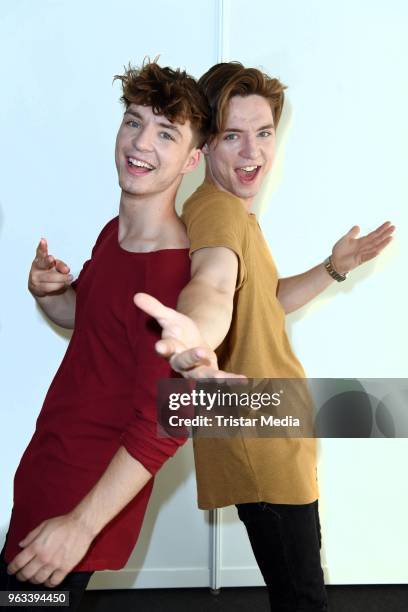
(348,253)
(203,316)
(208,298)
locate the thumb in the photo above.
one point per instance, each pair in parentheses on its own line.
(354,232)
(30,536)
(169,346)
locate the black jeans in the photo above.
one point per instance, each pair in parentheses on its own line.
(74,582)
(286,542)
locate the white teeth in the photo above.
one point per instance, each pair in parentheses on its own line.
(249,168)
(140,164)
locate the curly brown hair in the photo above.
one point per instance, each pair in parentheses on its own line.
(172,93)
(227,79)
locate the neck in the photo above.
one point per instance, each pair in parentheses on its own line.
(150,222)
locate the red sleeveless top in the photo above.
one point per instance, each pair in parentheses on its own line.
(103,396)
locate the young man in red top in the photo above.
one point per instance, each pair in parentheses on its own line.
(84,481)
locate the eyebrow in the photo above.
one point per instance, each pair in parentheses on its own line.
(168,126)
(264,127)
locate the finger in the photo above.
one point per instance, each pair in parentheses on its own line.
(55,579)
(20,560)
(387,231)
(42,259)
(193,358)
(222,374)
(371,253)
(152,306)
(44,263)
(31,536)
(383,226)
(42,248)
(29,570)
(61,266)
(372,240)
(378,244)
(237,379)
(42,574)
(205,372)
(381,229)
(53,277)
(169,346)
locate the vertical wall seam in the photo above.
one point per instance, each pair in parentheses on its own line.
(220,31)
(215,515)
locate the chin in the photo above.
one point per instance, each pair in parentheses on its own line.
(246,192)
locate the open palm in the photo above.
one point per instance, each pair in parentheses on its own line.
(181,342)
(350,251)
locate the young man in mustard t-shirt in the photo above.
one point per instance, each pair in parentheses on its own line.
(236,303)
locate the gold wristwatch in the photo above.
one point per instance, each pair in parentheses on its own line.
(328,264)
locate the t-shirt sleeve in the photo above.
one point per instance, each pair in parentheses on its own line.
(217,220)
(142,438)
(101,236)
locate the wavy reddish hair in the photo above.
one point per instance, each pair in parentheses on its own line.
(227,79)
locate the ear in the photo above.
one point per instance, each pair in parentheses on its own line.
(192,161)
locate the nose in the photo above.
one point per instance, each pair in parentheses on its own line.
(249,148)
(143,138)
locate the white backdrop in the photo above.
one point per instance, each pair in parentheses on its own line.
(59,117)
(342,160)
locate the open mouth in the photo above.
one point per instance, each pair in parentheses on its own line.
(138,166)
(247,174)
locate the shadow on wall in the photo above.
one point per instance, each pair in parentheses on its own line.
(168,481)
(263,201)
(189,184)
(60,331)
(1,230)
(275,177)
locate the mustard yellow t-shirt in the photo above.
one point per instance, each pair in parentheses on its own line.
(243,469)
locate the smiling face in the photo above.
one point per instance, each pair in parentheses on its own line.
(152,154)
(239,158)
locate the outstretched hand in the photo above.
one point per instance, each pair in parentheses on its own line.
(48,275)
(350,251)
(181,342)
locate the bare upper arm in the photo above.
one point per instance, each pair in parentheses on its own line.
(217,267)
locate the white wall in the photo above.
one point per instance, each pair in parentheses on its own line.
(342,160)
(59,117)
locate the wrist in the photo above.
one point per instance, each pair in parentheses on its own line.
(333,271)
(84,522)
(338,266)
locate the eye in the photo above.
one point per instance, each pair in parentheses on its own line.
(166,136)
(265,133)
(231,136)
(133,123)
